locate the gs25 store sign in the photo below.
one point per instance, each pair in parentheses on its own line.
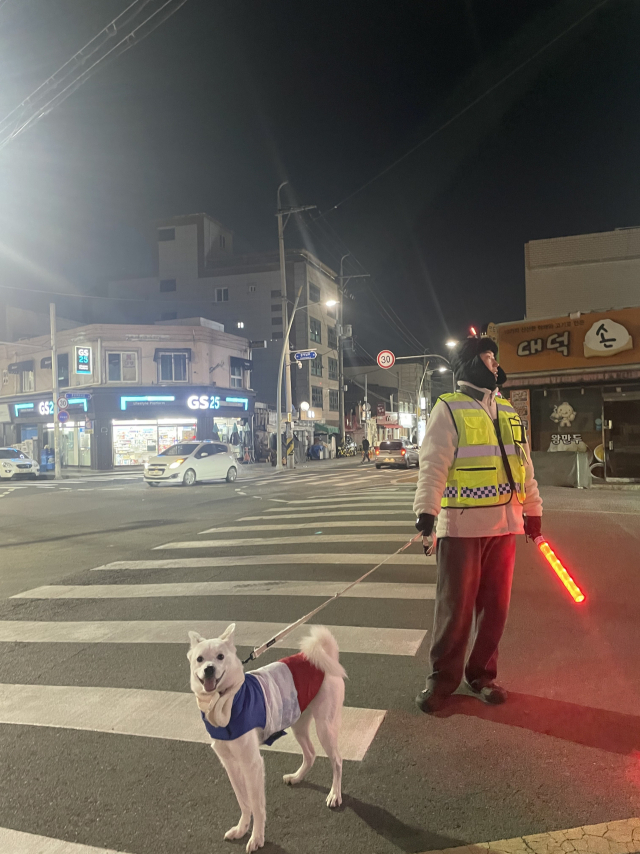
(203,401)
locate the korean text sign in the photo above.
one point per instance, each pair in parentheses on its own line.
(596,339)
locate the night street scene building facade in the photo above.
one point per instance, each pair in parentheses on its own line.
(131,392)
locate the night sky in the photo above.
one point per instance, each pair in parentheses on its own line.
(230,97)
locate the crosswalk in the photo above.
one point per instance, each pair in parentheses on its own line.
(251,571)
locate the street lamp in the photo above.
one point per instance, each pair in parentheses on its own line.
(451,343)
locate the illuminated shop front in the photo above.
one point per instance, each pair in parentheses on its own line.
(113,428)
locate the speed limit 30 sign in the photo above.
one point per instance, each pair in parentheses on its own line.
(386,359)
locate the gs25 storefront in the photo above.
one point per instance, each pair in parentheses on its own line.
(116,428)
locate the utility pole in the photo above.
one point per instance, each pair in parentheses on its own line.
(54,378)
(341,336)
(281,212)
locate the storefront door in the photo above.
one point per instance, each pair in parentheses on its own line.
(622,436)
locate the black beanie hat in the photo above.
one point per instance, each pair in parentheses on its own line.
(468,366)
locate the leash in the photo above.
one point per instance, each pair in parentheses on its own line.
(257,651)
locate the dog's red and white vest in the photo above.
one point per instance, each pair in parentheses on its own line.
(271,699)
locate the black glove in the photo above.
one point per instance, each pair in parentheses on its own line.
(424,524)
(533,526)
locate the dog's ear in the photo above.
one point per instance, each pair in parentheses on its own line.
(227,634)
(195,639)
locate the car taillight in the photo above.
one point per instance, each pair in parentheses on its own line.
(377,452)
(403,452)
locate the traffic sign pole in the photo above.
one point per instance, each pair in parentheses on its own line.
(54,379)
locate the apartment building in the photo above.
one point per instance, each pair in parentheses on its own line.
(199,274)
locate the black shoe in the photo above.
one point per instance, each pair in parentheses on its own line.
(491,695)
(429,702)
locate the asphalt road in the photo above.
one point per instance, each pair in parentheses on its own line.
(100,741)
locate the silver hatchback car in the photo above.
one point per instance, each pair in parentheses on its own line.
(397,453)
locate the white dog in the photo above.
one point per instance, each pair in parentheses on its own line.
(241,712)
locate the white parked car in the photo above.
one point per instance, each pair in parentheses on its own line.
(189,462)
(14,464)
(397,453)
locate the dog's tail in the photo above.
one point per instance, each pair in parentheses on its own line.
(321,648)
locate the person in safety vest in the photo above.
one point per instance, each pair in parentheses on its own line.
(476,478)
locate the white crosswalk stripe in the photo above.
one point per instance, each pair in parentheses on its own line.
(292,526)
(323,514)
(286,541)
(17,842)
(257,561)
(152,714)
(353,639)
(325,589)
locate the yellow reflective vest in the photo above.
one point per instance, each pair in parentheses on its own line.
(488,465)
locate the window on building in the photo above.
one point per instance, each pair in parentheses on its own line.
(122,367)
(167,285)
(63,370)
(28,377)
(166,234)
(333,368)
(314,293)
(173,368)
(275,294)
(222,294)
(332,337)
(316,366)
(252,288)
(276,308)
(223,242)
(169,315)
(276,335)
(333,399)
(236,376)
(276,321)
(315,330)
(316,397)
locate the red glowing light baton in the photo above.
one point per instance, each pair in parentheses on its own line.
(574,591)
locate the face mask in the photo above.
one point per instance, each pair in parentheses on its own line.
(477,373)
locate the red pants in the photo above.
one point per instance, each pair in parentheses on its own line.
(472,597)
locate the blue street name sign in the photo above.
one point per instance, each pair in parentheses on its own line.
(305,354)
(78,395)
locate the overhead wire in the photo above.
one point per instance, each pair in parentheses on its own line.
(466,109)
(140,32)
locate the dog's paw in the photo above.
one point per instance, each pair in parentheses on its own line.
(291,779)
(334,799)
(236,832)
(254,843)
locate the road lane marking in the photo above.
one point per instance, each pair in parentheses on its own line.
(152,714)
(17,842)
(351,639)
(280,541)
(612,837)
(268,560)
(364,590)
(292,526)
(322,514)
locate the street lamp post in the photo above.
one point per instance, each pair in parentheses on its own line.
(281,212)
(285,352)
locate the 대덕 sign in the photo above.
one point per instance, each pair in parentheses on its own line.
(83,360)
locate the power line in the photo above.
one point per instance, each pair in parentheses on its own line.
(14,124)
(466,109)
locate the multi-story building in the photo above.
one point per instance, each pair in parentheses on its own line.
(198,274)
(130,391)
(583,272)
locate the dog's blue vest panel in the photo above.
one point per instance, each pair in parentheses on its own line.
(248,712)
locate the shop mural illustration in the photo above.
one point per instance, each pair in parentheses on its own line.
(606,338)
(563,414)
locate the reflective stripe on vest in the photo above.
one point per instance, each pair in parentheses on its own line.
(478,477)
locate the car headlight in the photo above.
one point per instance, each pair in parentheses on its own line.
(7,466)
(176,464)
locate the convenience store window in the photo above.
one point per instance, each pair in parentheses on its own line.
(135,442)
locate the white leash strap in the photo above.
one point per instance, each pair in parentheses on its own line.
(258,650)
